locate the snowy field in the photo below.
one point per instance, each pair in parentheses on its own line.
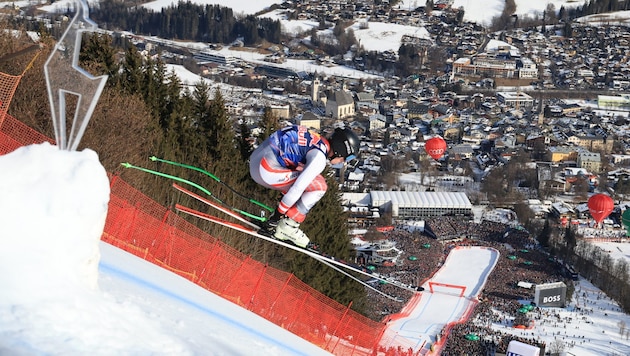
(617,250)
(619,17)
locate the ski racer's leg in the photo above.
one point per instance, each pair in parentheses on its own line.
(313,193)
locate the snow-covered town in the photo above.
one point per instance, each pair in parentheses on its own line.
(494,169)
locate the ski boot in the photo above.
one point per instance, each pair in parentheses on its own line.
(289,230)
(269,227)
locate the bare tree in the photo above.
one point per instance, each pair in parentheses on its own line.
(622,327)
(556,347)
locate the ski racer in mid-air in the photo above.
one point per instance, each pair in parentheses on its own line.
(291,160)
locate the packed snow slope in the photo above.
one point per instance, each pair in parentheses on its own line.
(64,292)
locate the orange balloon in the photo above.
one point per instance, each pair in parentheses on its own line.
(435,147)
(600,206)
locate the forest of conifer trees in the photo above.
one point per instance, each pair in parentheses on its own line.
(187,21)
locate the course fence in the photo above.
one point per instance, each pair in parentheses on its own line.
(139,225)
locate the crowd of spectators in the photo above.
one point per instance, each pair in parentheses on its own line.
(421,257)
(547,323)
(604,234)
(521,261)
(452,227)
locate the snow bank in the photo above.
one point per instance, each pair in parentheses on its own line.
(50,249)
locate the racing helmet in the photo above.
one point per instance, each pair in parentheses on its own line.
(344,143)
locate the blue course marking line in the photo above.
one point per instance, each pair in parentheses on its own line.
(425,332)
(125,275)
(426,305)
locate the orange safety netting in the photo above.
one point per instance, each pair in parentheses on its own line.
(150,231)
(8,84)
(14,134)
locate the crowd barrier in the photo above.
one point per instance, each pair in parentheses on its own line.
(446,331)
(139,225)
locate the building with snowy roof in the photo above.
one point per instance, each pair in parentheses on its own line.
(407,205)
(516,99)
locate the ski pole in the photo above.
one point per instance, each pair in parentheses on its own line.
(179,179)
(129,165)
(255,202)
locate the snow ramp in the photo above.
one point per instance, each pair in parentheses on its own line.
(449,298)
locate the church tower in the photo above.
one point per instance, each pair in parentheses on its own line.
(315,91)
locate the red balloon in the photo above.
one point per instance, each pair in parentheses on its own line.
(435,147)
(600,206)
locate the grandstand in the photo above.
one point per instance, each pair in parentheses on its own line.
(421,205)
(277,72)
(214,57)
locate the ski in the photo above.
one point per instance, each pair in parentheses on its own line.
(329,260)
(216,205)
(254,229)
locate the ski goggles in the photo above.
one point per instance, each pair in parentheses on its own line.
(352,160)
